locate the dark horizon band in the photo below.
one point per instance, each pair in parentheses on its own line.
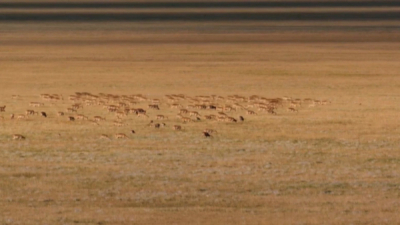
(194,16)
(198,4)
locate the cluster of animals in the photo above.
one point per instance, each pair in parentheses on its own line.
(187,109)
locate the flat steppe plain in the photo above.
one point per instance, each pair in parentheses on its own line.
(330,164)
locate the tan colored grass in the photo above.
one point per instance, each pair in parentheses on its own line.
(336,164)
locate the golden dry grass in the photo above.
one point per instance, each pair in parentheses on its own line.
(332,164)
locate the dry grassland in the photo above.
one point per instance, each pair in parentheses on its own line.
(330,164)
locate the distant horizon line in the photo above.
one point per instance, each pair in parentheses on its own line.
(202,16)
(196,4)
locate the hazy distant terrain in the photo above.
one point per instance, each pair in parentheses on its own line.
(201,11)
(332,159)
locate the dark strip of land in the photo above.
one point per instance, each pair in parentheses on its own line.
(198,16)
(176,4)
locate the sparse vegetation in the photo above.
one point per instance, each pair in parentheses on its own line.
(333,163)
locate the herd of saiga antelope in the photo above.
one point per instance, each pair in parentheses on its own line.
(212,108)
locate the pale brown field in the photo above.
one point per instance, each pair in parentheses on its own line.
(330,164)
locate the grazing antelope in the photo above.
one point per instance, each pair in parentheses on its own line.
(158,125)
(186,119)
(21,117)
(325,102)
(141,111)
(155,101)
(2,108)
(220,108)
(81,117)
(209,117)
(36,104)
(161,117)
(212,107)
(18,137)
(60,113)
(90,102)
(154,106)
(71,110)
(206,134)
(241,118)
(150,123)
(295,104)
(237,106)
(220,98)
(127,111)
(228,108)
(122,104)
(250,112)
(175,106)
(221,118)
(230,119)
(133,111)
(222,114)
(183,111)
(263,108)
(118,124)
(71,118)
(210,131)
(177,127)
(271,111)
(12,116)
(312,104)
(43,114)
(170,99)
(292,109)
(254,98)
(99,118)
(104,136)
(132,103)
(193,113)
(29,112)
(140,98)
(76,106)
(112,108)
(120,114)
(120,136)
(308,100)
(179,116)
(200,106)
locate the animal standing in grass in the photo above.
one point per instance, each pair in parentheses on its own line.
(18,137)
